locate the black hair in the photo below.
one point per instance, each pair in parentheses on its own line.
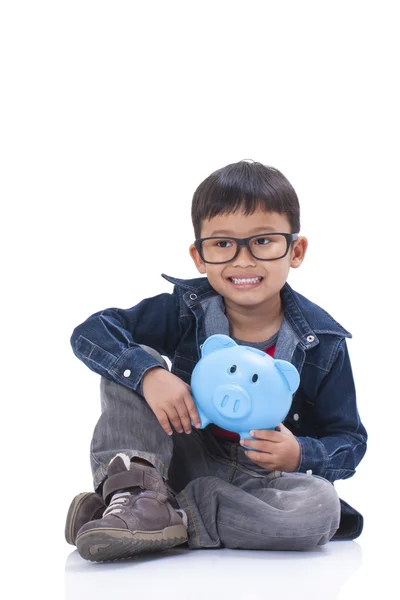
(245,186)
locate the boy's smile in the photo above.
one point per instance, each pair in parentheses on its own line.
(246,281)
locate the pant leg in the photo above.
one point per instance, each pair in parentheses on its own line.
(199,455)
(257,511)
(127,424)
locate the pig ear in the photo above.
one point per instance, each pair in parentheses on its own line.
(289,373)
(216,342)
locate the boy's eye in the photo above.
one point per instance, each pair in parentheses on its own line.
(223,243)
(262,241)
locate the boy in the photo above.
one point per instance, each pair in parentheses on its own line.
(160,482)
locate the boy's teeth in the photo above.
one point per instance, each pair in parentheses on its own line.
(248,280)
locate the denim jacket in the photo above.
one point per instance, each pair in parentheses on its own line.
(323,415)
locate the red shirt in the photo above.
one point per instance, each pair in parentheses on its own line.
(223,434)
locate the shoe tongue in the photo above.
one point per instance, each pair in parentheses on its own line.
(137,477)
(117,465)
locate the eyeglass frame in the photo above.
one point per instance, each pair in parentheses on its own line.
(290,237)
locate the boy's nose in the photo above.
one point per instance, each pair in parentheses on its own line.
(244,257)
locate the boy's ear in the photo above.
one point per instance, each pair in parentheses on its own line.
(299,252)
(200,265)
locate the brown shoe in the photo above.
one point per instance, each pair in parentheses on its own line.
(139,517)
(85,507)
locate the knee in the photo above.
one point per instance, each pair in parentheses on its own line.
(325,495)
(314,509)
(325,507)
(118,398)
(206,485)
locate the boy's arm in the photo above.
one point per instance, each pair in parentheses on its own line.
(108,341)
(342,439)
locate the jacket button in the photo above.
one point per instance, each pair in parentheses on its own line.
(310,338)
(127,373)
(309,472)
(193,296)
(295,417)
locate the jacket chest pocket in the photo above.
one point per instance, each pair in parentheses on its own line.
(183,367)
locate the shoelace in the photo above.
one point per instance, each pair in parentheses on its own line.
(117,501)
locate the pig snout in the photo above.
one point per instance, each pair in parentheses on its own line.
(232,401)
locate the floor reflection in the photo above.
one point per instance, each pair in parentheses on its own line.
(185,574)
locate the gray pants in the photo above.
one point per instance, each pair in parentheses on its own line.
(230,502)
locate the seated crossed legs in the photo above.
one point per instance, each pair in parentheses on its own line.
(154,491)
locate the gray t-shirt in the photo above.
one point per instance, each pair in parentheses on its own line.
(259,345)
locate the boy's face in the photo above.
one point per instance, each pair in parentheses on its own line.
(272,274)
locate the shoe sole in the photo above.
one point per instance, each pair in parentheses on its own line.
(112,544)
(72,513)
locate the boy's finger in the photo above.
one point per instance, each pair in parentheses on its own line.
(266,434)
(260,445)
(162,418)
(175,419)
(258,457)
(282,429)
(191,407)
(184,417)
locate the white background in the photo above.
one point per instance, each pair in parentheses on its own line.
(111,114)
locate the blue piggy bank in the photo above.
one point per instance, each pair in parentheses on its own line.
(240,388)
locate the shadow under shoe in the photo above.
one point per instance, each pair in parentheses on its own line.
(139,517)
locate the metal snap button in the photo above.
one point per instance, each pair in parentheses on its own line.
(193,296)
(127,373)
(310,338)
(295,417)
(309,472)
(201,345)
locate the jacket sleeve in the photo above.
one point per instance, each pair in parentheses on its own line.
(109,341)
(342,438)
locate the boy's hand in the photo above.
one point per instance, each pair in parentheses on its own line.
(279,450)
(170,400)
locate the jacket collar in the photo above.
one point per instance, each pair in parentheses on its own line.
(199,285)
(295,306)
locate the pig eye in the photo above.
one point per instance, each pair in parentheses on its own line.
(233,368)
(254,378)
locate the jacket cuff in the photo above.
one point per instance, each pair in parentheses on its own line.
(123,371)
(128,369)
(313,457)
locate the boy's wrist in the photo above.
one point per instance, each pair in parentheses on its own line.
(150,371)
(147,373)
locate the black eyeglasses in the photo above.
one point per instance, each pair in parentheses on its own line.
(264,246)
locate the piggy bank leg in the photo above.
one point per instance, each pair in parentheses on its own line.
(204,421)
